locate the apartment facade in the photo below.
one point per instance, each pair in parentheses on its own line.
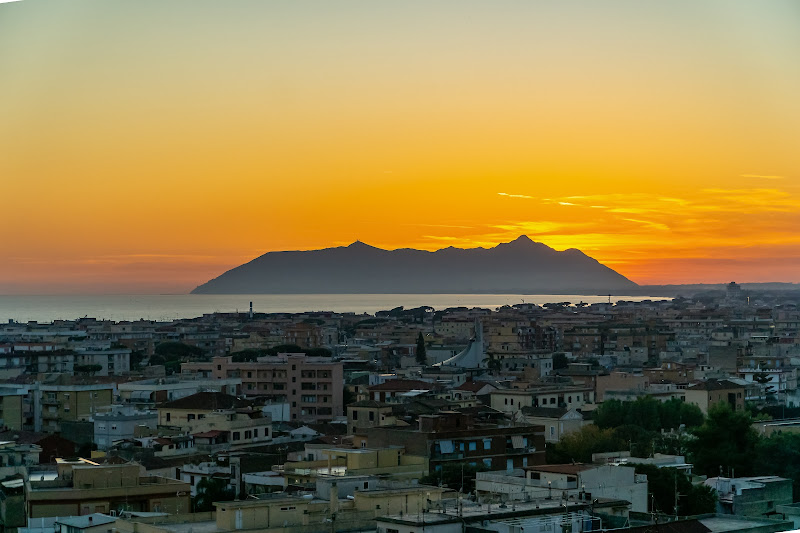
(455,438)
(313,386)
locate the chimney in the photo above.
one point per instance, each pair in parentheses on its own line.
(334,498)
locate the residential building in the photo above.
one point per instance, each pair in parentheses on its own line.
(19,454)
(91,523)
(452,438)
(369,413)
(513,400)
(711,392)
(313,385)
(121,423)
(186,412)
(83,487)
(557,421)
(751,496)
(148,393)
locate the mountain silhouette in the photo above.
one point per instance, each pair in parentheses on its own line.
(521,266)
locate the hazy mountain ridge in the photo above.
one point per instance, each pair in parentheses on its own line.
(520,266)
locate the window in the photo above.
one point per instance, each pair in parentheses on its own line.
(371,416)
(473,445)
(249,374)
(487,444)
(487,462)
(248,434)
(552,431)
(189,417)
(255,433)
(236,435)
(169,415)
(355,414)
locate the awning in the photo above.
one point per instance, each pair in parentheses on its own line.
(446,446)
(517,442)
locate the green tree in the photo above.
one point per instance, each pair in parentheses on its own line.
(726,441)
(422,354)
(560,361)
(674,413)
(249,355)
(610,414)
(701,499)
(136,358)
(171,351)
(644,412)
(648,413)
(493,363)
(636,439)
(210,490)
(669,485)
(578,446)
(785,446)
(348,396)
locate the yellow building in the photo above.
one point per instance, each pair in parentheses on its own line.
(11,410)
(712,392)
(285,513)
(84,487)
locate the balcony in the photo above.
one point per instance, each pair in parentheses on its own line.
(447,456)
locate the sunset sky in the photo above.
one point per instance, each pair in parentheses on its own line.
(147,146)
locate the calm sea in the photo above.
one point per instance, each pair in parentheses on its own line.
(171,306)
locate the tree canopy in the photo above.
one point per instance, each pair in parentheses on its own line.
(664,483)
(579,446)
(725,443)
(422,355)
(210,490)
(648,413)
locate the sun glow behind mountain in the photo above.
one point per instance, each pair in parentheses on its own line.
(184,139)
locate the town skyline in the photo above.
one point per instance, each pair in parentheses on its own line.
(149,147)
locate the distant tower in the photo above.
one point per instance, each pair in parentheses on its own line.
(251,310)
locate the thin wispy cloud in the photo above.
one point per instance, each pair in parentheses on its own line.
(648,223)
(762,176)
(514,195)
(440,226)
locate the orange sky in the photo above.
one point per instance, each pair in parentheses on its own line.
(149,146)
